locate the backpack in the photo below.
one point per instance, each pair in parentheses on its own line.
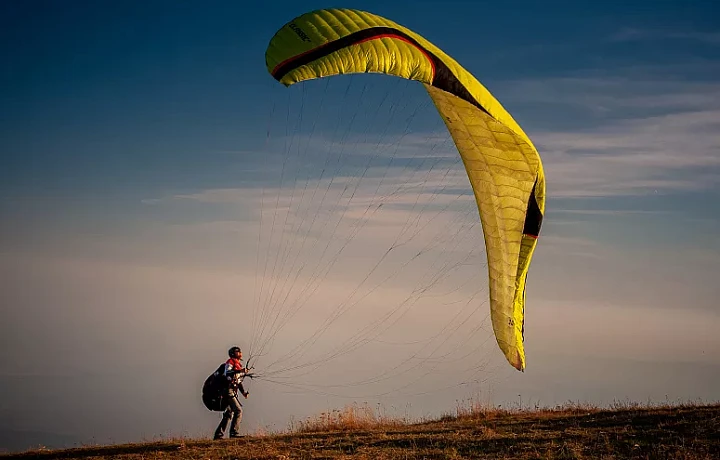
(214,390)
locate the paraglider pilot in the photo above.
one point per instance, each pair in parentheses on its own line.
(234,373)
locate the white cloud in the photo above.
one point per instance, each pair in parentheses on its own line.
(625,96)
(639,136)
(661,154)
(224,195)
(610,212)
(629,34)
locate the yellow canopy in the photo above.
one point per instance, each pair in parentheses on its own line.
(503,166)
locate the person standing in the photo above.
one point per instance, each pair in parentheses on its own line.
(234,373)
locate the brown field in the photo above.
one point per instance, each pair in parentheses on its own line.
(690,431)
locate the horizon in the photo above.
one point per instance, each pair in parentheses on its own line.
(164,198)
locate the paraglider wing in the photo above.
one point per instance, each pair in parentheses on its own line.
(503,166)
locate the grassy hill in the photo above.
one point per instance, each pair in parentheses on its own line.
(569,432)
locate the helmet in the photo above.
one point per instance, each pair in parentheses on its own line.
(233,350)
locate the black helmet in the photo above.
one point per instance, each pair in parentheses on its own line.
(233,350)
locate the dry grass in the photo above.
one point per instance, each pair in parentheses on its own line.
(350,418)
(475,430)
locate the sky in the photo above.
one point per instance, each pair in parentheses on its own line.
(163,198)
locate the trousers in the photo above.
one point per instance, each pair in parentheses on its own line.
(233,412)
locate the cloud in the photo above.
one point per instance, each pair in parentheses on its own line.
(625,93)
(611,134)
(615,134)
(630,34)
(610,212)
(656,137)
(663,154)
(222,195)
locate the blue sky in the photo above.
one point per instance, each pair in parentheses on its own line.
(135,154)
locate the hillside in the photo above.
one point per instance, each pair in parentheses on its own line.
(677,432)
